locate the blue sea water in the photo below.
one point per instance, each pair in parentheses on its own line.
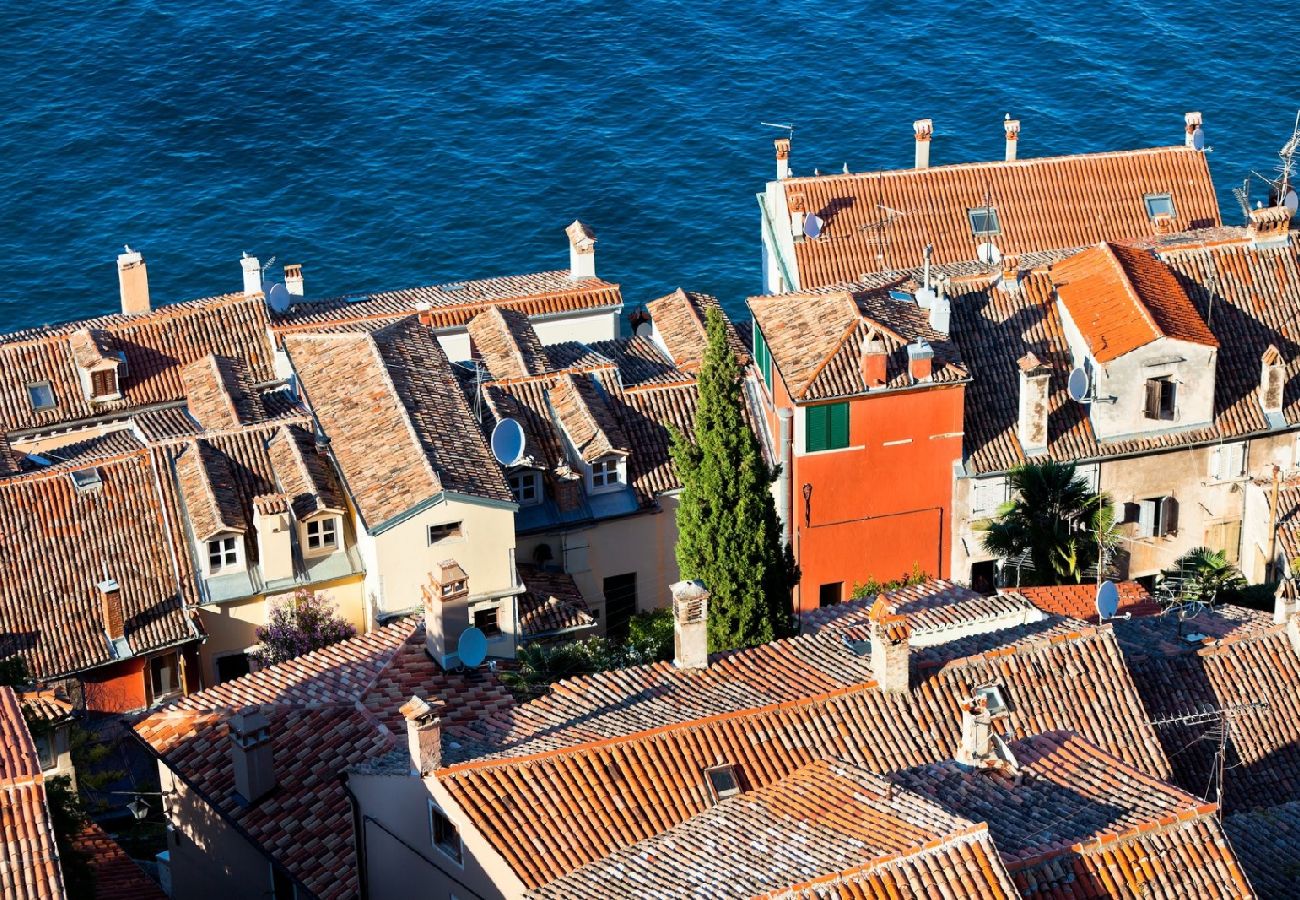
(399,143)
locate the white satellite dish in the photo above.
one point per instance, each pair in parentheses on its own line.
(1291,201)
(1079,385)
(1198,139)
(989,254)
(812,226)
(508,442)
(279,298)
(1107,600)
(472,648)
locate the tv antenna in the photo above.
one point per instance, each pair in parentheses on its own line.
(1243,197)
(787,127)
(1221,717)
(1286,168)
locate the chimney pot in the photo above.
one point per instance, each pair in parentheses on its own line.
(941,311)
(1270,226)
(110,598)
(1284,605)
(690,625)
(782,158)
(923,129)
(252,275)
(891,655)
(1035,400)
(251,755)
(1272,380)
(582,250)
(920,360)
(446,610)
(1012,128)
(875,357)
(133,282)
(981,745)
(1192,122)
(293,279)
(424,313)
(423,736)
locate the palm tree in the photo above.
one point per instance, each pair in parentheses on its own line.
(1201,575)
(1056,527)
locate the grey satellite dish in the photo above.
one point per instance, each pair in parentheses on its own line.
(472,648)
(989,254)
(1078,385)
(1107,600)
(1198,139)
(1291,201)
(812,226)
(279,298)
(508,442)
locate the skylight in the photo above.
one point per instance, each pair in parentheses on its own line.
(993,698)
(722,781)
(41,396)
(984,220)
(85,480)
(1159,205)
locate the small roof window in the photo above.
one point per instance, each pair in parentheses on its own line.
(722,781)
(984,220)
(41,396)
(85,480)
(1159,205)
(993,699)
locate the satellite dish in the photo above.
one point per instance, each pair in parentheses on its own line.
(1198,139)
(472,648)
(279,298)
(508,442)
(812,226)
(1291,202)
(1107,600)
(1078,385)
(989,254)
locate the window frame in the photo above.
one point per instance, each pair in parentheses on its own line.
(1163,405)
(229,547)
(822,593)
(32,390)
(605,468)
(323,524)
(826,427)
(1165,196)
(175,658)
(450,531)
(104,378)
(437,813)
(762,355)
(987,212)
(728,771)
(534,483)
(492,609)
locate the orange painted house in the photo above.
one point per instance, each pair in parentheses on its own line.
(863,393)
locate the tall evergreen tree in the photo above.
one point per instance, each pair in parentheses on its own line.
(728,535)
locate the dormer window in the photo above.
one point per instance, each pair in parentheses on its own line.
(223,555)
(984,220)
(103,383)
(1159,205)
(1159,401)
(526,486)
(322,535)
(606,473)
(41,396)
(722,781)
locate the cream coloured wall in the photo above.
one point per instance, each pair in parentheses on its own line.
(584,327)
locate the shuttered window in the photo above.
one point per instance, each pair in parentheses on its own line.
(1225,536)
(762,356)
(826,427)
(1159,400)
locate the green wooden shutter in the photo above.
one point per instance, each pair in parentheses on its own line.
(815,428)
(762,355)
(839,426)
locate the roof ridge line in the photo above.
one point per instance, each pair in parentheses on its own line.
(56,470)
(1130,287)
(64,330)
(821,366)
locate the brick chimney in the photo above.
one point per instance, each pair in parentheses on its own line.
(782,158)
(797,203)
(1272,381)
(1164,223)
(133,282)
(1270,226)
(424,313)
(1192,124)
(582,250)
(920,360)
(690,625)
(1012,128)
(891,638)
(252,275)
(1035,401)
(423,736)
(110,604)
(922,129)
(875,356)
(293,279)
(446,610)
(251,757)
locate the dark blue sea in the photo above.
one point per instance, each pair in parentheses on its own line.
(397,143)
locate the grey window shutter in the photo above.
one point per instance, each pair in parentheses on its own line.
(1168,516)
(1147,518)
(1152,407)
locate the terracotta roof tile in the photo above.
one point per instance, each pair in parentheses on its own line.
(44,705)
(507,343)
(551,603)
(220,393)
(1268,843)
(303,473)
(1079,601)
(208,485)
(29,857)
(117,877)
(679,320)
(581,409)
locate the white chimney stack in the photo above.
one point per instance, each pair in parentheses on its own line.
(293,279)
(1012,128)
(582,250)
(133,282)
(940,307)
(252,275)
(1193,125)
(251,756)
(690,625)
(923,129)
(423,736)
(1035,397)
(782,158)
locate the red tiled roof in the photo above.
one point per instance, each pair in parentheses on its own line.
(220,393)
(679,320)
(29,857)
(1064,201)
(1121,299)
(44,705)
(1079,601)
(551,603)
(507,343)
(117,877)
(1268,844)
(580,408)
(326,711)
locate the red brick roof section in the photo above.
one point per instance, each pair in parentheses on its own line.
(507,343)
(680,321)
(1121,299)
(1079,601)
(329,711)
(1268,843)
(29,858)
(581,408)
(220,393)
(551,603)
(117,877)
(882,221)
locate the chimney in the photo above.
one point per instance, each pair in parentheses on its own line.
(923,129)
(981,745)
(940,307)
(920,360)
(582,250)
(1272,381)
(797,203)
(251,756)
(1285,605)
(423,736)
(1270,226)
(1010,272)
(1012,128)
(293,280)
(424,313)
(1035,397)
(133,282)
(252,275)
(446,610)
(782,158)
(110,601)
(1193,125)
(875,356)
(891,637)
(690,625)
(1164,223)
(272,523)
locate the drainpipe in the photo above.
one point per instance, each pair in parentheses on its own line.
(785,421)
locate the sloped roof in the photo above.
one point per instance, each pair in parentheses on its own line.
(507,343)
(208,486)
(1121,298)
(220,393)
(117,877)
(551,603)
(329,710)
(303,473)
(29,856)
(1079,601)
(1268,843)
(882,221)
(581,409)
(680,321)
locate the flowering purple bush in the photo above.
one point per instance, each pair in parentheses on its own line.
(300,624)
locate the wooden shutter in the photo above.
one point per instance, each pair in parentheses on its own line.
(1151,408)
(103,383)
(1147,518)
(839,425)
(1168,516)
(1232,541)
(815,428)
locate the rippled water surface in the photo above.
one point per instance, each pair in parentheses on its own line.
(391,144)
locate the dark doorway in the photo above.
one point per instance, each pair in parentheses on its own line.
(232,667)
(620,605)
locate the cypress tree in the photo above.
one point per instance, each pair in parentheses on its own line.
(728,535)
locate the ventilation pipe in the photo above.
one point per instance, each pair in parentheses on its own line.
(1012,128)
(252,275)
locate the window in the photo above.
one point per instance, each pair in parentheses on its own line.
(86,480)
(444,532)
(722,781)
(103,383)
(223,553)
(487,620)
(984,220)
(620,604)
(1155,516)
(1159,205)
(1159,402)
(445,836)
(164,675)
(987,496)
(41,396)
(830,594)
(1227,461)
(323,534)
(45,749)
(525,484)
(1225,536)
(230,667)
(762,356)
(826,427)
(604,472)
(993,699)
